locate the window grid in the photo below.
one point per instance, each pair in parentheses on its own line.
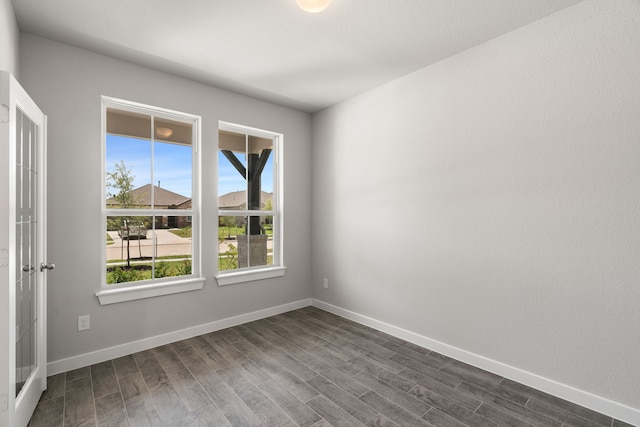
(190,269)
(273,216)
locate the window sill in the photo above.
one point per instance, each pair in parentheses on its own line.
(112,296)
(250,275)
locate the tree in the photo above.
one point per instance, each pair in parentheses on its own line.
(228,221)
(121,180)
(268,206)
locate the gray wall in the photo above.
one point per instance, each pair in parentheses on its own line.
(491,201)
(67,83)
(9,37)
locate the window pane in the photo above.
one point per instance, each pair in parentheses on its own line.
(267,223)
(128,167)
(260,183)
(128,123)
(232,169)
(129,248)
(149,165)
(231,184)
(229,227)
(128,159)
(173,158)
(243,243)
(173,250)
(137,249)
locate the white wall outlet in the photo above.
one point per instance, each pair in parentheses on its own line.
(325,283)
(84,322)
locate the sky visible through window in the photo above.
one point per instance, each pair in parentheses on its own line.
(173,166)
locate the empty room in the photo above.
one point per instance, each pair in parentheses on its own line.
(320,212)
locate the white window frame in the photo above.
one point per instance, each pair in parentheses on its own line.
(229,277)
(114,293)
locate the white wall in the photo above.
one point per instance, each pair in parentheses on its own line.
(67,83)
(9,37)
(491,201)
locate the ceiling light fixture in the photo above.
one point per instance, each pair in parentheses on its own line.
(313,6)
(164,132)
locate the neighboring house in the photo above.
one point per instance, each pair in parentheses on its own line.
(182,221)
(163,199)
(237,200)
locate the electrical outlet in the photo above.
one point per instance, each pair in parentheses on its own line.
(84,322)
(325,283)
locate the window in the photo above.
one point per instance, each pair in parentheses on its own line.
(150,212)
(249,204)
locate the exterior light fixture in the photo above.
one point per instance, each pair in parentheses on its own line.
(164,132)
(313,6)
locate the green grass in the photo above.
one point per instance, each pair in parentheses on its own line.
(109,240)
(231,263)
(227,264)
(182,232)
(138,272)
(225,232)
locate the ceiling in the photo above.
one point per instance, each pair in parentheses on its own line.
(272,50)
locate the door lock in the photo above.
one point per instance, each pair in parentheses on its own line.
(44,266)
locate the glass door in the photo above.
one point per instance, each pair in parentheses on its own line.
(23,128)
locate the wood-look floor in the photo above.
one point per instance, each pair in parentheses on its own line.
(306,367)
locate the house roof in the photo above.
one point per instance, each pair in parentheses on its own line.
(238,199)
(162,197)
(166,198)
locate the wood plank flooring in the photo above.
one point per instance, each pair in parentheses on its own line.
(302,368)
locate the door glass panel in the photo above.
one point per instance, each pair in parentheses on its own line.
(33,174)
(26,278)
(26,157)
(19,272)
(18,166)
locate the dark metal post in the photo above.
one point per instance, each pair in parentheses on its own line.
(253,175)
(254,188)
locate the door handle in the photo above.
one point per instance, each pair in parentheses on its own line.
(27,268)
(44,266)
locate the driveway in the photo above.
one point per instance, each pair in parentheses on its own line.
(168,244)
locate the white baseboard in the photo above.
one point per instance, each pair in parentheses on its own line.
(105,354)
(579,397)
(563,391)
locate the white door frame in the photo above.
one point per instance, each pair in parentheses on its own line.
(15,412)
